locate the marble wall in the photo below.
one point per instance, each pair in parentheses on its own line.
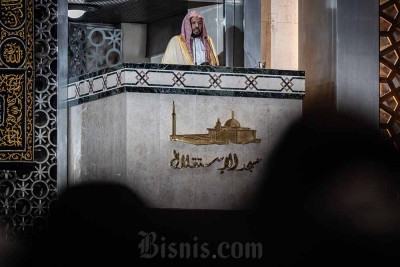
(97,137)
(284,34)
(280,33)
(134,41)
(339,51)
(252,33)
(125,138)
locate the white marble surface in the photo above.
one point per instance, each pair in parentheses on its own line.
(234,82)
(143,144)
(284,34)
(112,81)
(103,140)
(84,88)
(72,91)
(75,144)
(125,138)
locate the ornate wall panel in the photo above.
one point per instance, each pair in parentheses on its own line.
(390,70)
(93,47)
(191,80)
(26,196)
(16,81)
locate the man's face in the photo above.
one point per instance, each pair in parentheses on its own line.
(197,26)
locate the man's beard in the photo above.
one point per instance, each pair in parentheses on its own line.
(195,35)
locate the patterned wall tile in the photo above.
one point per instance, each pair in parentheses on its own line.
(93,47)
(26,196)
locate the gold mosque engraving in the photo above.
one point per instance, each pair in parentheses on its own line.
(231,132)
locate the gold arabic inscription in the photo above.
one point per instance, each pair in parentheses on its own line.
(16,80)
(13,53)
(12,134)
(231,163)
(12,13)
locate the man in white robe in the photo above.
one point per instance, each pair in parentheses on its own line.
(193,46)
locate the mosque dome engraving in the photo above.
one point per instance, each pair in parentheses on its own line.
(231,132)
(232,123)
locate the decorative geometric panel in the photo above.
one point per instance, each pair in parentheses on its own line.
(16,81)
(390,70)
(26,196)
(93,47)
(173,79)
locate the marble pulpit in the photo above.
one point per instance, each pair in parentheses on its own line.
(186,137)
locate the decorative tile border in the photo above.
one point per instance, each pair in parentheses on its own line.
(248,83)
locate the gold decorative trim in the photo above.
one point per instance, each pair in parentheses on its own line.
(214,58)
(185,50)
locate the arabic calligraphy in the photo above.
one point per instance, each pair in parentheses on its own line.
(12,13)
(12,53)
(16,80)
(13,85)
(231,163)
(11,82)
(2,112)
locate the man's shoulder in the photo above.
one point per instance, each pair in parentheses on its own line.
(176,38)
(210,40)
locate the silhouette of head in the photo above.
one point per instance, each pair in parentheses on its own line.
(330,192)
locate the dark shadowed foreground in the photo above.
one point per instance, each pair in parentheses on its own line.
(329,197)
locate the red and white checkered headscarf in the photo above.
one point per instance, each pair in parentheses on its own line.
(186,34)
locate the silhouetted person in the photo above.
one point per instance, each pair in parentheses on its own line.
(93,224)
(106,224)
(330,196)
